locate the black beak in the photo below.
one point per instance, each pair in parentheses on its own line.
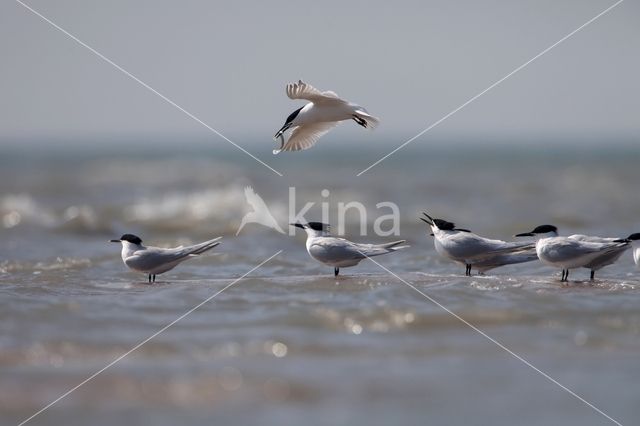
(114,241)
(430,221)
(525,234)
(282,130)
(297,225)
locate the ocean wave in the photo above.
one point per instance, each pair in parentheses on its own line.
(60,263)
(221,208)
(23,209)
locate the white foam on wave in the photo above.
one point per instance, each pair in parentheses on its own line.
(23,209)
(179,209)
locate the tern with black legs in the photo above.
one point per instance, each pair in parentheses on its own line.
(323,112)
(605,259)
(338,252)
(155,260)
(473,251)
(569,253)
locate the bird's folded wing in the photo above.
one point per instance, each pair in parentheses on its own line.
(567,249)
(338,248)
(152,258)
(305,136)
(302,90)
(491,248)
(376,249)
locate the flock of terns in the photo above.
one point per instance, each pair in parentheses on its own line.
(459,245)
(324,111)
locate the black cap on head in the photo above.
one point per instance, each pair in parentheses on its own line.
(293,115)
(634,237)
(133,239)
(544,229)
(444,225)
(318,226)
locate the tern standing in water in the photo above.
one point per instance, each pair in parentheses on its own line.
(323,112)
(464,247)
(605,259)
(155,260)
(338,252)
(568,253)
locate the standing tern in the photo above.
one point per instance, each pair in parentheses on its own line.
(464,247)
(606,258)
(156,260)
(570,252)
(323,112)
(338,252)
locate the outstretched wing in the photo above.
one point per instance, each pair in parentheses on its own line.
(254,200)
(305,136)
(302,90)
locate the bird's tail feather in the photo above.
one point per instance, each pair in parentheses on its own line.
(205,246)
(394,245)
(376,250)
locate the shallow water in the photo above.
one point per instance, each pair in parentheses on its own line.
(289,343)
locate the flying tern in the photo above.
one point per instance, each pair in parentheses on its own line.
(464,247)
(156,260)
(570,252)
(323,112)
(338,252)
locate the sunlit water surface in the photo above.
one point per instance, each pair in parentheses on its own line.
(290,344)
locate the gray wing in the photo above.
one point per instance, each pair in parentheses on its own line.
(377,249)
(302,90)
(466,245)
(497,260)
(335,249)
(566,249)
(305,136)
(339,249)
(154,257)
(608,258)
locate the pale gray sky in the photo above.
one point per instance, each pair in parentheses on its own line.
(407,62)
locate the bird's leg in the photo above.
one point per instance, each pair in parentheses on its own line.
(467,272)
(360,121)
(593,275)
(566,278)
(336,271)
(149,278)
(154,278)
(562,278)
